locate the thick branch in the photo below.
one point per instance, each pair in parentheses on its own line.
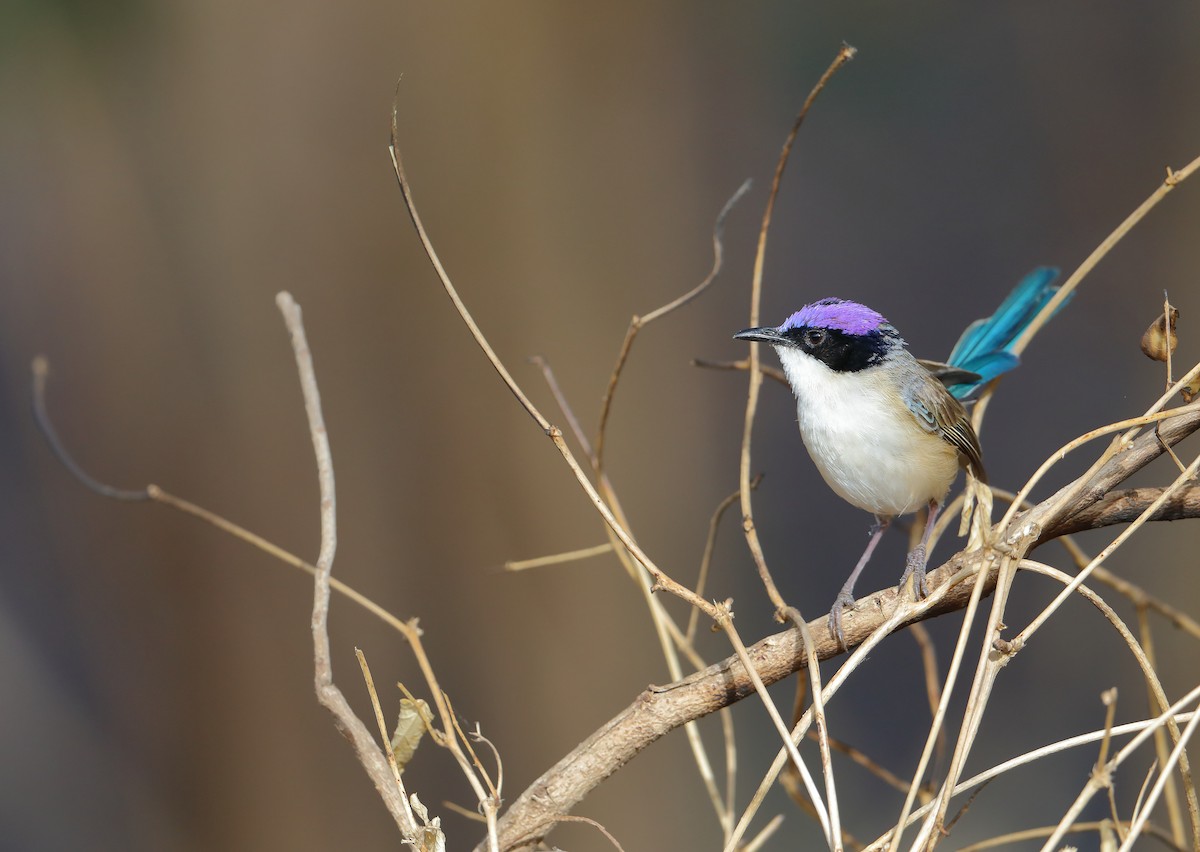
(661,709)
(1053,521)
(1121,507)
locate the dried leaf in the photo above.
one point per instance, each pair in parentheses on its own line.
(1160,340)
(410,727)
(419,809)
(432,839)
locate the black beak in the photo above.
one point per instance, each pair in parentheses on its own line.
(762,335)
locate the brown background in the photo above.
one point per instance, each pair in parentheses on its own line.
(166,167)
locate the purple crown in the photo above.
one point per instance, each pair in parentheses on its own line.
(850,317)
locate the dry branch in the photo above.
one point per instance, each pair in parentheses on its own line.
(661,709)
(1121,507)
(365,748)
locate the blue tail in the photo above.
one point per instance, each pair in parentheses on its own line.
(984,347)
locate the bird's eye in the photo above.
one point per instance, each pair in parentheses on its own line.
(814,336)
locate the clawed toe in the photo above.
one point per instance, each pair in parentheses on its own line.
(844,601)
(915,568)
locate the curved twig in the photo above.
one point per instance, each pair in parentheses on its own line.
(41,369)
(639,322)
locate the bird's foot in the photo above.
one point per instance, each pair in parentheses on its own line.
(915,568)
(844,601)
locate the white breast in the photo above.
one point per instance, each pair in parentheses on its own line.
(866,443)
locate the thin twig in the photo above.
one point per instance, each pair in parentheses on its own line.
(832,827)
(330,696)
(157,494)
(844,55)
(379,720)
(545,827)
(1164,776)
(561,399)
(666,630)
(1174,811)
(557,558)
(933,690)
(371,757)
(742,366)
(710,544)
(940,714)
(759,840)
(1109,698)
(897,616)
(493,788)
(638,322)
(1121,507)
(861,758)
(1024,636)
(1142,730)
(41,369)
(788,743)
(1173,180)
(1013,837)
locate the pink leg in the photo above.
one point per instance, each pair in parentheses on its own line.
(915,566)
(845,597)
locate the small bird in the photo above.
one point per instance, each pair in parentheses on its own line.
(889,432)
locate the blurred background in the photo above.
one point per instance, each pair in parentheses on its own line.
(167,167)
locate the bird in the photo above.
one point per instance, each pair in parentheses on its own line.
(888,432)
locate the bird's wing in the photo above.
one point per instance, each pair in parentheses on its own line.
(937,411)
(949,375)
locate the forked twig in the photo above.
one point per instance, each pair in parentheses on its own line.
(710,543)
(551,431)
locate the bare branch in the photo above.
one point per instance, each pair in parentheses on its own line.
(661,709)
(1052,519)
(1121,507)
(365,748)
